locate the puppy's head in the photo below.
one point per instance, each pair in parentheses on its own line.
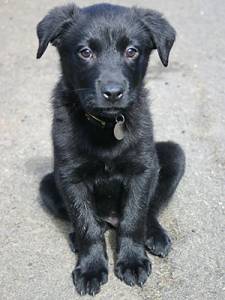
(104,51)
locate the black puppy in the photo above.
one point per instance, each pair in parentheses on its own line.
(107,167)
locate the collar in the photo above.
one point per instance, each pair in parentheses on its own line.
(109,123)
(95,120)
(117,124)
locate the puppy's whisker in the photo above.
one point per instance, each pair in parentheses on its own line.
(83,89)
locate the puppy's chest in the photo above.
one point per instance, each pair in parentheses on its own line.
(108,183)
(108,193)
(95,171)
(106,179)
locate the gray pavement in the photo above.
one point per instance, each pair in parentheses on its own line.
(188,105)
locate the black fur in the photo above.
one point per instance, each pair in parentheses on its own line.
(97,179)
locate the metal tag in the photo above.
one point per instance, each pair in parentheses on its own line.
(119,128)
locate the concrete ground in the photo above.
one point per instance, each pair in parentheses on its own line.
(188,104)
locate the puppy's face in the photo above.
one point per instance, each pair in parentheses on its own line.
(104,51)
(106,63)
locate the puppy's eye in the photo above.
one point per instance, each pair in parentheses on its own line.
(85,53)
(131,52)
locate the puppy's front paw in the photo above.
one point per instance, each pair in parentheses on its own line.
(88,276)
(134,269)
(158,243)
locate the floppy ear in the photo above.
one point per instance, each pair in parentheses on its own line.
(51,28)
(161,32)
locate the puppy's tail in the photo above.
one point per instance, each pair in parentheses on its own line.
(51,198)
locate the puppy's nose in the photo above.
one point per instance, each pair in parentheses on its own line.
(113,91)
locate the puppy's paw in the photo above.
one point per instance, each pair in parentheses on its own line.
(88,276)
(158,243)
(133,270)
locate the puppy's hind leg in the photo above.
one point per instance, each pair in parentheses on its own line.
(51,198)
(172,164)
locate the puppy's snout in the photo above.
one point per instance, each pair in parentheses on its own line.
(112,91)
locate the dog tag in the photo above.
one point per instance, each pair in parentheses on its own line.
(119,128)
